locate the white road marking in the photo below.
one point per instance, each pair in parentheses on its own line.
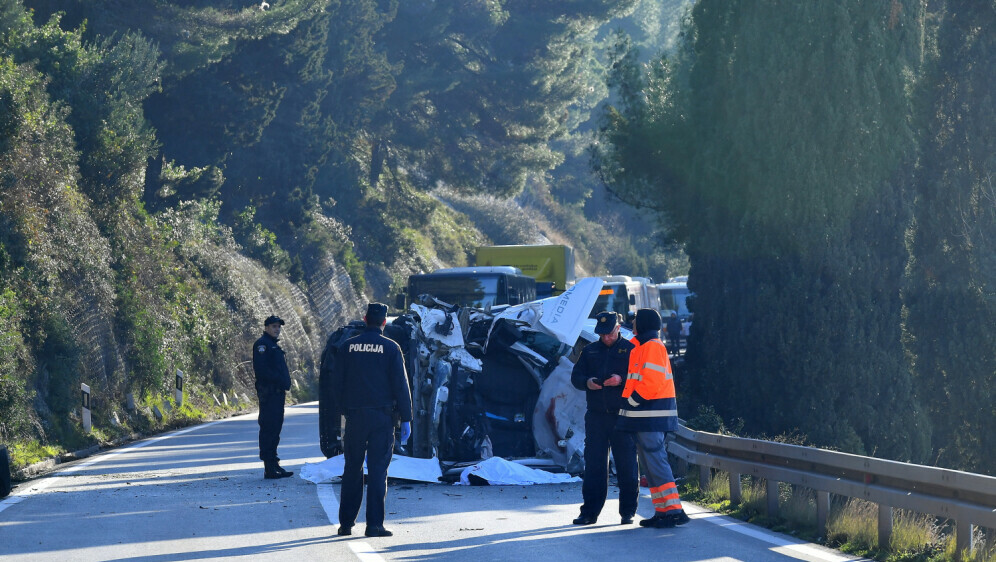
(326,495)
(365,552)
(800,550)
(38,486)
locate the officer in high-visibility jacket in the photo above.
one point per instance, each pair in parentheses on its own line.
(650,411)
(370,387)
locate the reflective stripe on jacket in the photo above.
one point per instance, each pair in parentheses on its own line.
(649,398)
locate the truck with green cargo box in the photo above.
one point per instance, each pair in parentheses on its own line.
(552,265)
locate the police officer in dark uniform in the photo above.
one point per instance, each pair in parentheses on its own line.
(601,372)
(272,383)
(371,388)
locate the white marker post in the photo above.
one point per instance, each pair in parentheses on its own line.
(86,407)
(179,388)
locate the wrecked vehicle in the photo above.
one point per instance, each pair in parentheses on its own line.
(487,383)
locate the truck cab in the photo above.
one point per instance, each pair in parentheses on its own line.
(478,287)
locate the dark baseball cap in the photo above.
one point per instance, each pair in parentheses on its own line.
(376,311)
(273,320)
(605,322)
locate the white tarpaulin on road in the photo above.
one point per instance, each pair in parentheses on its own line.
(498,471)
(405,468)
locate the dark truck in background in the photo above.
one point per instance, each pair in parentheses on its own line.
(477,287)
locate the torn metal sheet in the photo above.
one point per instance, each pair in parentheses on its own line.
(558,421)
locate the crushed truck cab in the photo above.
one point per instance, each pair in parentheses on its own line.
(494,382)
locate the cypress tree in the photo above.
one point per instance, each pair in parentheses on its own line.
(782,153)
(951,298)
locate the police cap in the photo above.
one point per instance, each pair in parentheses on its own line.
(605,322)
(273,320)
(376,312)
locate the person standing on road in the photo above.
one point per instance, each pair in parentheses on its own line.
(650,412)
(272,384)
(599,372)
(371,388)
(674,333)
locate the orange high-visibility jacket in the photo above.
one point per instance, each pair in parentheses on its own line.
(649,402)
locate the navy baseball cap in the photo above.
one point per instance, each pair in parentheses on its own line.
(376,311)
(605,322)
(273,320)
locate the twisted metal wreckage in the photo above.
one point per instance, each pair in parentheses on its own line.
(488,382)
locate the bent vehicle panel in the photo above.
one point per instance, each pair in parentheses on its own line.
(496,383)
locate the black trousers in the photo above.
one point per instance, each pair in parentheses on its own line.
(271,421)
(370,433)
(599,437)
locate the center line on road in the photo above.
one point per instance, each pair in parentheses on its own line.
(326,495)
(365,552)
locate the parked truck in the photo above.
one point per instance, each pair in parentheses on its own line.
(552,265)
(479,287)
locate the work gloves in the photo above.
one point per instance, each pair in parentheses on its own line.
(406,432)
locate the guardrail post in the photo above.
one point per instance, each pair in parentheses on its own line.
(884,526)
(736,490)
(964,536)
(772,493)
(822,511)
(705,477)
(85,391)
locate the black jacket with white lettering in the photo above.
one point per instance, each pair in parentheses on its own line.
(370,373)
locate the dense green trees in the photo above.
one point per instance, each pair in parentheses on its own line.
(833,186)
(826,165)
(952,283)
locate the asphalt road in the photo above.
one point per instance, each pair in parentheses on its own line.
(199,494)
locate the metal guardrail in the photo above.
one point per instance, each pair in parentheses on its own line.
(967,499)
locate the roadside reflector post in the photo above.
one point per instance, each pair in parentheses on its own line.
(5,486)
(179,388)
(85,390)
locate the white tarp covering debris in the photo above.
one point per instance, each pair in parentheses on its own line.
(500,472)
(405,468)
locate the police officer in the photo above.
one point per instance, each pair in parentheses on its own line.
(272,383)
(600,372)
(371,387)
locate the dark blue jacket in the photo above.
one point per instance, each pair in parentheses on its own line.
(269,365)
(370,372)
(600,362)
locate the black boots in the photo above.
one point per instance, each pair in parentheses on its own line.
(377,532)
(666,520)
(272,470)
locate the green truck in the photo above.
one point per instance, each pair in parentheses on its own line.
(552,265)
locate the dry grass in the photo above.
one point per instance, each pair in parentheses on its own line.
(852,525)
